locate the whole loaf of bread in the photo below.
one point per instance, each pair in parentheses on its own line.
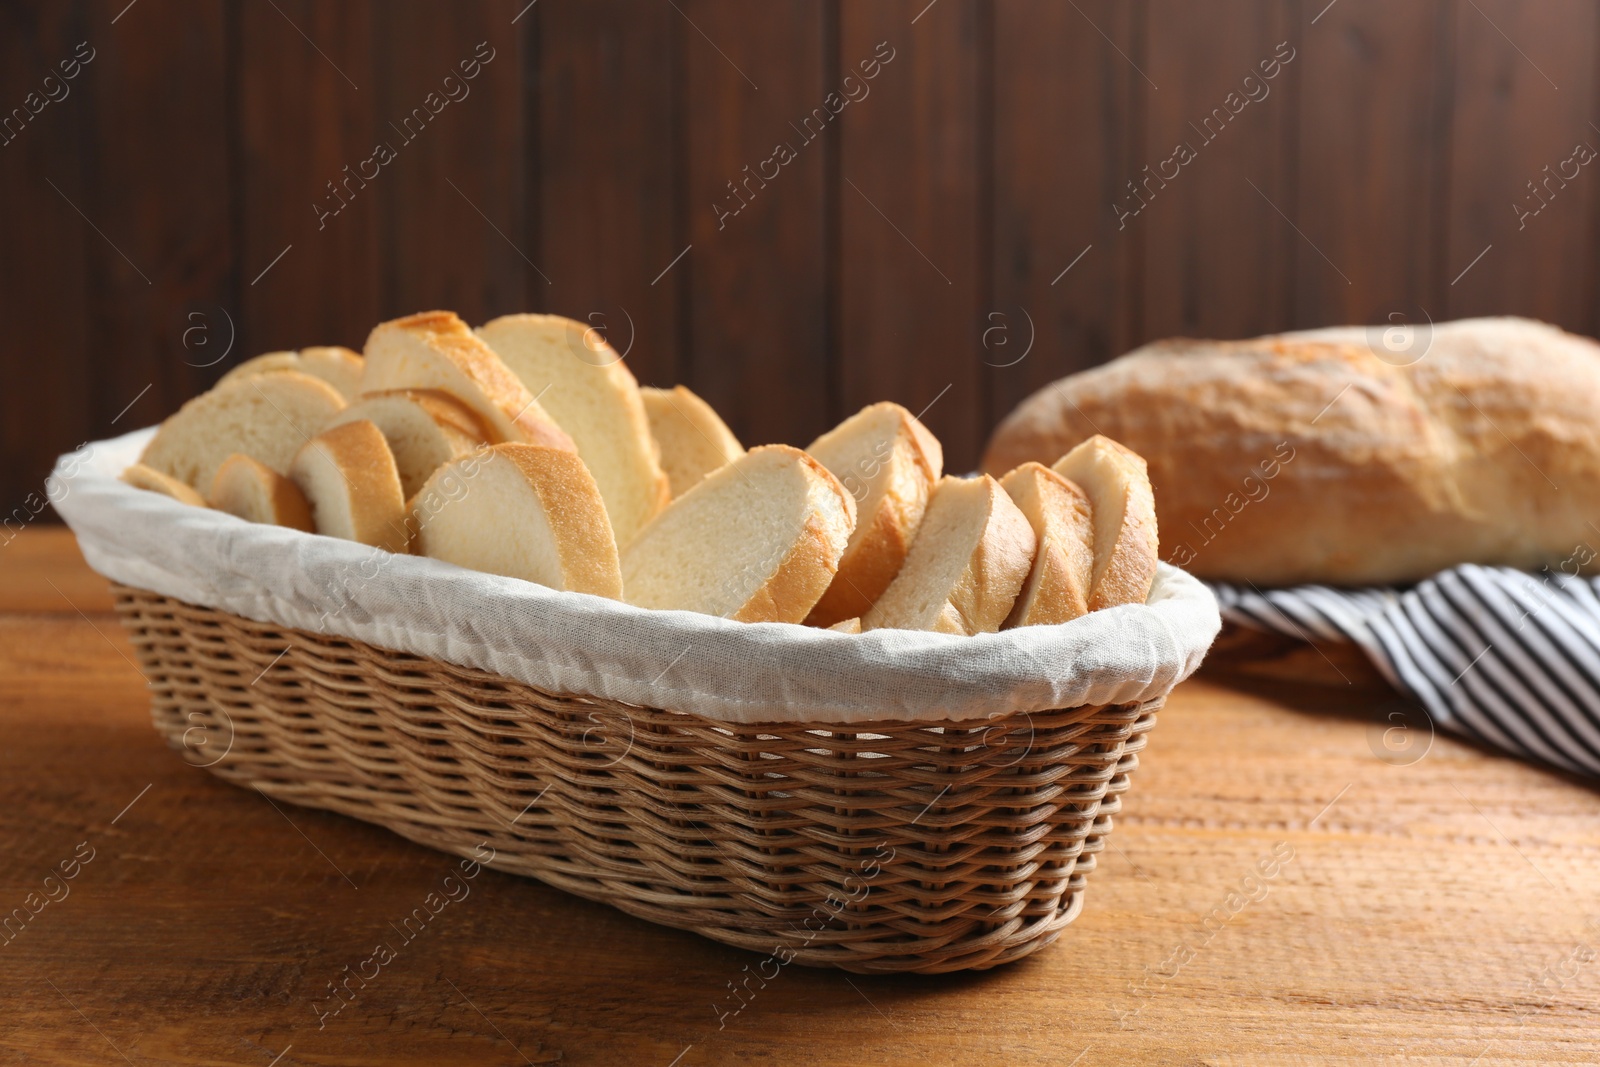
(1325,456)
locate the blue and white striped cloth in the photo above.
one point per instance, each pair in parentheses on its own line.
(1507,658)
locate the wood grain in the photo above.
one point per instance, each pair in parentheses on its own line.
(1372,158)
(1218,235)
(913,277)
(307,109)
(608,176)
(1515,60)
(758,273)
(594,149)
(453,223)
(1053,194)
(1432,907)
(46,407)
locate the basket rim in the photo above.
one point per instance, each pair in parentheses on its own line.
(571,642)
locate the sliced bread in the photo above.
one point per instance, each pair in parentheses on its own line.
(847,626)
(425,429)
(592,395)
(889,462)
(436,350)
(522,511)
(1058,586)
(141,477)
(692,439)
(757,541)
(266,416)
(339,367)
(1125,539)
(255,492)
(349,477)
(971,557)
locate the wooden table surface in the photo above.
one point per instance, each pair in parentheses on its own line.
(1429,903)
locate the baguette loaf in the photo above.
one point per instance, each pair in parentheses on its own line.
(1059,585)
(339,367)
(1321,457)
(890,463)
(425,429)
(522,511)
(436,350)
(1123,505)
(692,438)
(593,396)
(349,477)
(265,416)
(757,541)
(971,557)
(141,477)
(255,492)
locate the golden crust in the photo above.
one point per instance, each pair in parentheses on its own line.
(882,539)
(142,477)
(242,481)
(577,516)
(361,456)
(1059,584)
(999,566)
(809,567)
(502,401)
(635,484)
(689,457)
(1321,457)
(1115,480)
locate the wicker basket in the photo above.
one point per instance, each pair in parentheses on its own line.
(895,846)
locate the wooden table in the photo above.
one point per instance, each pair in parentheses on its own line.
(1428,904)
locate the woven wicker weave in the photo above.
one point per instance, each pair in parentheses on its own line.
(894,846)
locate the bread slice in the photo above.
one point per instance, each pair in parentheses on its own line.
(522,511)
(141,477)
(1057,589)
(971,557)
(758,541)
(255,492)
(692,439)
(266,416)
(339,367)
(889,462)
(1125,540)
(425,429)
(436,350)
(592,395)
(349,477)
(847,626)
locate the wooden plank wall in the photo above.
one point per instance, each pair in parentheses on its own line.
(796,208)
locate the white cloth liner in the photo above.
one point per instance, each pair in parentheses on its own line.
(574,643)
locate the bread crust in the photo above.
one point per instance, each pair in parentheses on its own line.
(142,477)
(712,445)
(501,401)
(192,443)
(285,504)
(1060,582)
(1308,458)
(640,489)
(809,567)
(1118,486)
(577,516)
(882,539)
(361,456)
(338,366)
(989,587)
(993,574)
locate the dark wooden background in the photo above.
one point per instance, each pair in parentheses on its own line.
(914,251)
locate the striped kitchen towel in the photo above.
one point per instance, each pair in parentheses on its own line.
(1504,657)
